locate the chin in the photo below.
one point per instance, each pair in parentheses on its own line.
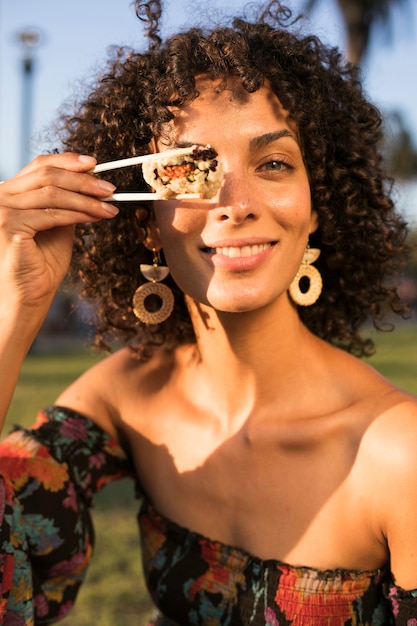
(237,300)
(238,305)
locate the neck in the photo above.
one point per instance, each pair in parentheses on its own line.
(251,359)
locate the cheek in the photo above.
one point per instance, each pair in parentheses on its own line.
(177,259)
(179,224)
(179,231)
(294,217)
(296,212)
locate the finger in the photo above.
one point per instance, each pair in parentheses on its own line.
(50,177)
(43,209)
(66,160)
(48,207)
(34,222)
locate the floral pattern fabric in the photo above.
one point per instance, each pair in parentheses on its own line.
(48,477)
(198,582)
(195,581)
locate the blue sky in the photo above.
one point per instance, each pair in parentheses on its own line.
(76,35)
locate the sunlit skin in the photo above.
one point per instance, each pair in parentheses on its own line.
(260,434)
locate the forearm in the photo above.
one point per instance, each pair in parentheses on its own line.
(18,329)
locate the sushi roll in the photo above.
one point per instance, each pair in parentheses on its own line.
(198,172)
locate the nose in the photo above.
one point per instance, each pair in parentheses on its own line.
(235,201)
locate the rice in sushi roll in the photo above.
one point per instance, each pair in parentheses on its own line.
(198,172)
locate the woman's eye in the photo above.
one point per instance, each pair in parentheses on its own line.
(275,166)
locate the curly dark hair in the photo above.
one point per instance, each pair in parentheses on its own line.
(363,240)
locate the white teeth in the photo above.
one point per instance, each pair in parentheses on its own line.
(234,252)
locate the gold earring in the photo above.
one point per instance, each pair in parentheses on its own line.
(315,283)
(153,302)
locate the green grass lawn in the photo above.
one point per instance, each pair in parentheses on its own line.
(114,594)
(396,356)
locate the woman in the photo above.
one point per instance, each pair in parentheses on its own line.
(268,457)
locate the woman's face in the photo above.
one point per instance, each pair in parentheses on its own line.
(240,250)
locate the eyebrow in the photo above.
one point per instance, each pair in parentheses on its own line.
(185,144)
(255,143)
(263,140)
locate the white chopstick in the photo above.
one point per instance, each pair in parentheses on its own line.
(138,197)
(113,165)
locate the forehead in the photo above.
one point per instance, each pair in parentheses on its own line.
(227,106)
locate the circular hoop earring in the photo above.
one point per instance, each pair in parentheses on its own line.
(153,302)
(315,283)
(161,294)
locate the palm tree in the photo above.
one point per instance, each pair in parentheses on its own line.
(360,18)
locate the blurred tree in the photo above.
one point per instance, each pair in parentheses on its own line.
(360,18)
(408,286)
(400,149)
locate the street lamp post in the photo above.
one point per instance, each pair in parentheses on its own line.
(29,39)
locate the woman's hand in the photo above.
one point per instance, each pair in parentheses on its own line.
(39,209)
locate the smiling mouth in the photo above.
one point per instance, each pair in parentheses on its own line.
(241,251)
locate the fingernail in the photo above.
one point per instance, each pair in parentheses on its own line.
(88,160)
(110,208)
(105,185)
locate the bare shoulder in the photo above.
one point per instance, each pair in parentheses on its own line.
(387,473)
(384,418)
(391,415)
(394,423)
(102,391)
(397,500)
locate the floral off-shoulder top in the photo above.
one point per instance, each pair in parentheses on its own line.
(48,477)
